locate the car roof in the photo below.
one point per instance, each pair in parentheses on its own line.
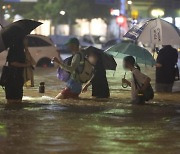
(46,38)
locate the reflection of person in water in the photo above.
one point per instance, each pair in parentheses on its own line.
(100,87)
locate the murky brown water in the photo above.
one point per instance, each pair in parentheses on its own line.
(42,125)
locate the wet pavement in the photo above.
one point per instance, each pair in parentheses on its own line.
(43,125)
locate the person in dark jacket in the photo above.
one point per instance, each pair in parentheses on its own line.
(100,87)
(15,81)
(165,68)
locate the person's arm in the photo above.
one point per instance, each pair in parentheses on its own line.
(74,64)
(85,88)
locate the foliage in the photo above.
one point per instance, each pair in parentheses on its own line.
(49,9)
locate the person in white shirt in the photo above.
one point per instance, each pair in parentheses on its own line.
(129,63)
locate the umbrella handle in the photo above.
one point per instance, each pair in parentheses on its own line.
(124,85)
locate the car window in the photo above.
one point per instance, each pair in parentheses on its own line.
(37,42)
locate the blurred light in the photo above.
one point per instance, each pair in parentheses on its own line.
(7,16)
(134,22)
(129,2)
(177,22)
(8,6)
(62,13)
(120,20)
(123,7)
(169,19)
(115,12)
(157,13)
(134,14)
(3,7)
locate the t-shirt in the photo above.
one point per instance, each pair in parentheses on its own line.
(17,54)
(168,58)
(141,78)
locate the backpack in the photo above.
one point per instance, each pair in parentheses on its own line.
(85,70)
(148,93)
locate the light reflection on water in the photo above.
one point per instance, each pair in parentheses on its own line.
(114,126)
(53,128)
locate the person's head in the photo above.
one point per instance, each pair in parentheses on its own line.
(129,63)
(93,58)
(73,45)
(164,46)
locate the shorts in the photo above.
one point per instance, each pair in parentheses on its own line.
(74,86)
(72,90)
(67,93)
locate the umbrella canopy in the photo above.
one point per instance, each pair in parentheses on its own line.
(108,60)
(16,30)
(142,55)
(155,31)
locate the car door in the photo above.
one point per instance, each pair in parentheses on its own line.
(40,48)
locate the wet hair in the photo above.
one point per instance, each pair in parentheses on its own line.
(131,60)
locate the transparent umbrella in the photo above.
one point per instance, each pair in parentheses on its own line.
(142,55)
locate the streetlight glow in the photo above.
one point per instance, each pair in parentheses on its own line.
(157,13)
(62,12)
(129,2)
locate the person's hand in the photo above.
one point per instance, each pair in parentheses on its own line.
(125,81)
(158,65)
(28,64)
(84,89)
(56,60)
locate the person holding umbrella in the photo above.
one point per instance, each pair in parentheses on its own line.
(15,79)
(100,87)
(141,89)
(12,39)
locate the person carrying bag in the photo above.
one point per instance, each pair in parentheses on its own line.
(6,72)
(146,95)
(141,89)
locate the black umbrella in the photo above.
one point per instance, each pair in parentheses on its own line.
(15,31)
(108,60)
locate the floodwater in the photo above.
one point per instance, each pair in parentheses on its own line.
(42,125)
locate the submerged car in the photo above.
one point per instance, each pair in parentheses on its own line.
(41,48)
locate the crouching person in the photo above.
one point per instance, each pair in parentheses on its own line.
(141,89)
(80,71)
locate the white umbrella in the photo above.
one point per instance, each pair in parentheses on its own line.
(155,31)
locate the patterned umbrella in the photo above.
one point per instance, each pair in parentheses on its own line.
(155,31)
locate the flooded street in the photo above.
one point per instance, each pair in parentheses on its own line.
(42,125)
